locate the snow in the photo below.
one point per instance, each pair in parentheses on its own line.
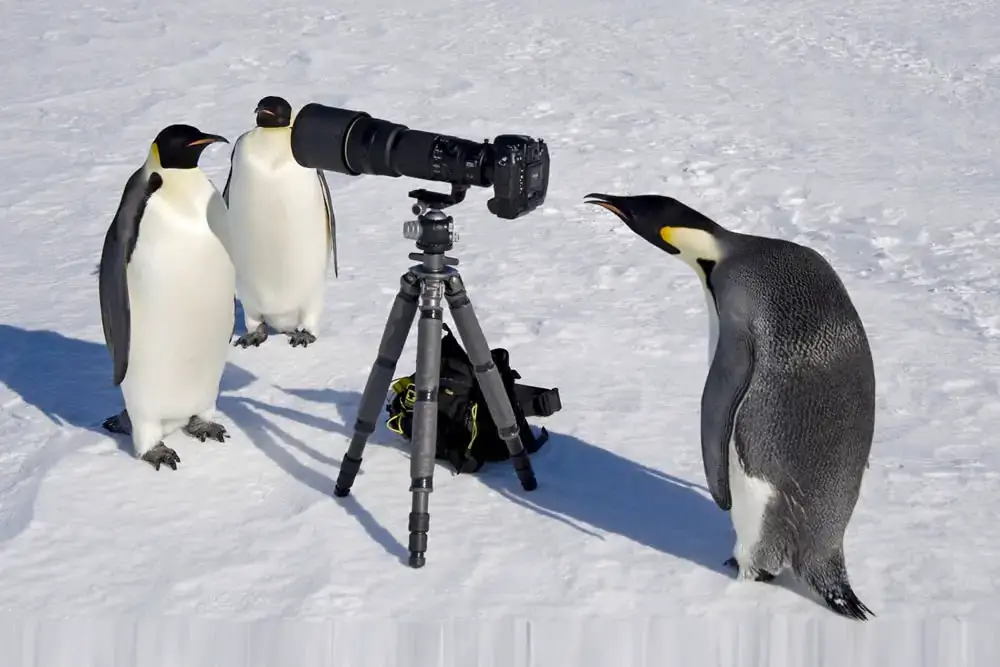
(866,129)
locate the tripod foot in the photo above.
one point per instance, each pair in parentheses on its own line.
(525,473)
(417,561)
(349,468)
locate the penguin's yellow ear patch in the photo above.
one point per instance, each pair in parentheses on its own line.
(693,244)
(154,156)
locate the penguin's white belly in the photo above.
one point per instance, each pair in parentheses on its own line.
(181,287)
(278,236)
(751,497)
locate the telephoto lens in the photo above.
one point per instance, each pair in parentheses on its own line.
(354,143)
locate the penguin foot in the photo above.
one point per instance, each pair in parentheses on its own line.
(201,429)
(762,576)
(161,455)
(119,423)
(301,337)
(255,337)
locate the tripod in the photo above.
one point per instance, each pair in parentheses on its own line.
(422,287)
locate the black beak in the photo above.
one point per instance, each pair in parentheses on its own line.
(642,214)
(207,139)
(272,118)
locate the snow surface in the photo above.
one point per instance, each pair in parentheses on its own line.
(867,129)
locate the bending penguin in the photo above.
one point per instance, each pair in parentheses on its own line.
(282,231)
(787,412)
(166,292)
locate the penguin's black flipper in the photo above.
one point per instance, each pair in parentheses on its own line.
(119,243)
(229,176)
(728,380)
(331,220)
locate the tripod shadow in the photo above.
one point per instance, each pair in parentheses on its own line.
(595,490)
(274,442)
(347,403)
(583,485)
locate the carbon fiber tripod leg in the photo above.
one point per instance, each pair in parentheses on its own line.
(394,335)
(425,415)
(489,378)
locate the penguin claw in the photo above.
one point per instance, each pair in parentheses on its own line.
(201,429)
(301,337)
(161,455)
(254,338)
(761,576)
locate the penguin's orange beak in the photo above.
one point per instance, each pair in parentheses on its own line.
(208,139)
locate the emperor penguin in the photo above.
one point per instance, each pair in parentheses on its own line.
(166,288)
(788,406)
(282,230)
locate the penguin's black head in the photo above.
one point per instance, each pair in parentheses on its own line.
(667,224)
(273,111)
(180,146)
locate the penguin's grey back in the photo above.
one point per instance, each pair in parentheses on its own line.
(806,422)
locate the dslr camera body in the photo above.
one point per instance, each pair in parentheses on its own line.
(520,175)
(354,143)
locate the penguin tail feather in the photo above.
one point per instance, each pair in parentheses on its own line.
(829,580)
(845,603)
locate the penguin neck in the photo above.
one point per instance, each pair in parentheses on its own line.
(699,248)
(702,250)
(273,144)
(186,190)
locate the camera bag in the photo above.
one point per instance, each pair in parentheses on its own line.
(467,436)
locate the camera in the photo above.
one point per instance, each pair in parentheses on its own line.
(355,143)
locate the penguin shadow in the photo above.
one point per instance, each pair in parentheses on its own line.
(583,485)
(592,489)
(69,381)
(66,379)
(240,328)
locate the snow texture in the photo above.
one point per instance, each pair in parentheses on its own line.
(867,129)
